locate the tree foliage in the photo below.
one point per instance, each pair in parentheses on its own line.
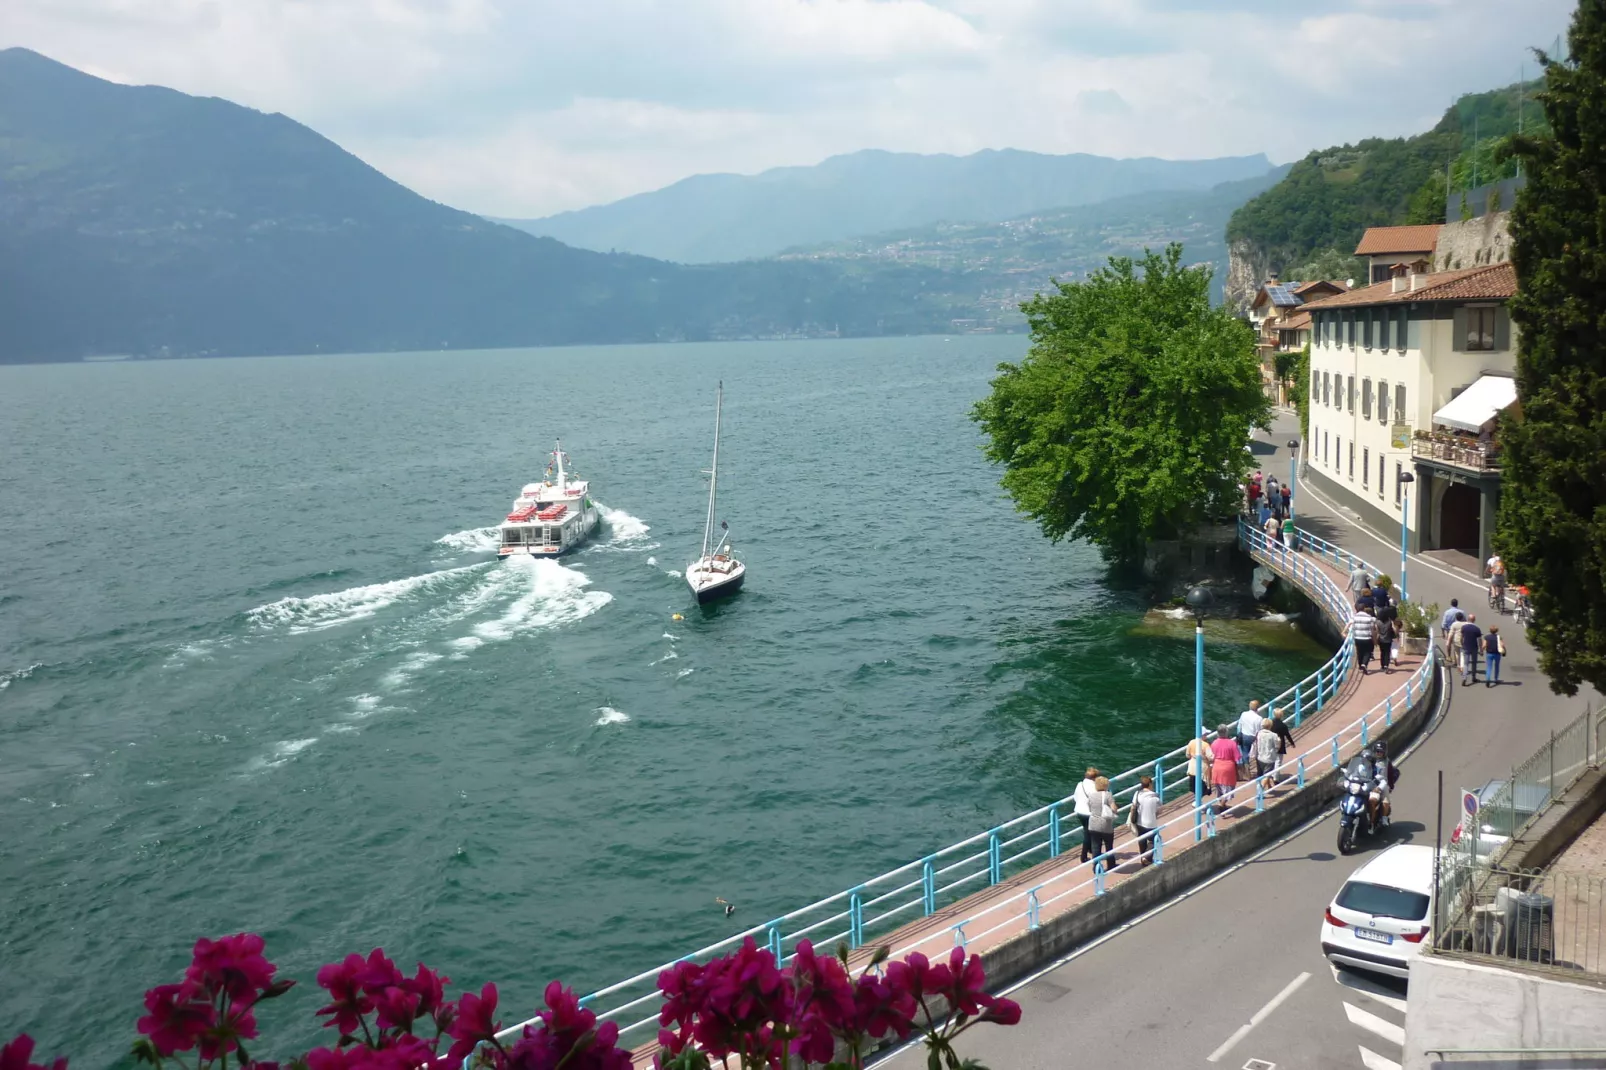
(1127,419)
(1552,528)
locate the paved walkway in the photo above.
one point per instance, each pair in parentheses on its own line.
(1064,877)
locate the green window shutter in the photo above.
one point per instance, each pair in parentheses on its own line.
(1458,330)
(1383,325)
(1502,328)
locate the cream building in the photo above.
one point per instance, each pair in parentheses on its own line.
(1408,375)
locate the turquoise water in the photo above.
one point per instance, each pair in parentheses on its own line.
(258,669)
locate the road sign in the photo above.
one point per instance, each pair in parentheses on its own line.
(1469,803)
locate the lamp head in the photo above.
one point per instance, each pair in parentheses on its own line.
(1199,599)
(1407,477)
(1293,443)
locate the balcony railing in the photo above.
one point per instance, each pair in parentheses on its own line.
(1471,455)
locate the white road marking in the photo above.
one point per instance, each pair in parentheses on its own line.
(1261,1015)
(1372,1023)
(1369,533)
(1368,988)
(1373,1061)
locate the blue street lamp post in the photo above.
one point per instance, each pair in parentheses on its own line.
(1293,474)
(1198,599)
(1406,479)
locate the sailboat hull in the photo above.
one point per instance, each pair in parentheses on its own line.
(720,589)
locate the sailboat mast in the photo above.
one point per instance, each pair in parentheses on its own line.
(557,455)
(713,471)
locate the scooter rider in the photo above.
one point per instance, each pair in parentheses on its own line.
(1385,774)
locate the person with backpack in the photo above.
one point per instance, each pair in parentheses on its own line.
(1494,651)
(1384,632)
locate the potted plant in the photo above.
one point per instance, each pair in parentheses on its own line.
(1416,626)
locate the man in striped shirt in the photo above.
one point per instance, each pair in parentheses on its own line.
(1361,626)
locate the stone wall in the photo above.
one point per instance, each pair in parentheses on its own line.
(1465,1005)
(1474,242)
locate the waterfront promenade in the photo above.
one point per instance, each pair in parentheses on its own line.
(1232,971)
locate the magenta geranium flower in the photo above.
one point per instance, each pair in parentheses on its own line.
(233,965)
(178,1018)
(1002,1012)
(429,987)
(378,973)
(347,1001)
(15,1056)
(475,1021)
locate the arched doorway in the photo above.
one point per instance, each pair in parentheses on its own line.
(1458,518)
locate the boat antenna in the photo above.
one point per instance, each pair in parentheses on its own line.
(557,456)
(713,471)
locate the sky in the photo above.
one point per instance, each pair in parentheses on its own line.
(523,108)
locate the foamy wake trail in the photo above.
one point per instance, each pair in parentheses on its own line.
(282,752)
(320,611)
(548,596)
(625,532)
(472,541)
(7,678)
(609,715)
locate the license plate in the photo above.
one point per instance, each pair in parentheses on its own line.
(1374,936)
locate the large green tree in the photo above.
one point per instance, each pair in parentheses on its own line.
(1552,528)
(1128,417)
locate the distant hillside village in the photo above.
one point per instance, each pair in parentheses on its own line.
(1407,369)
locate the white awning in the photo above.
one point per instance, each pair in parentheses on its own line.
(1478,403)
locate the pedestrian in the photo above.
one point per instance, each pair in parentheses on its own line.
(1382,598)
(1362,629)
(1452,639)
(1358,580)
(1384,632)
(1101,822)
(1267,748)
(1448,619)
(1224,769)
(1263,514)
(1494,651)
(1254,494)
(1274,494)
(1199,758)
(1288,501)
(1082,797)
(1471,640)
(1285,736)
(1248,729)
(1145,818)
(1274,529)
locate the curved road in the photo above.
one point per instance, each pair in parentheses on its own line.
(1233,971)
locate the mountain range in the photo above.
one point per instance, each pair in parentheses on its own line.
(712,218)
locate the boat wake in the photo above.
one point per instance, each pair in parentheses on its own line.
(472,541)
(317,612)
(625,532)
(547,595)
(609,715)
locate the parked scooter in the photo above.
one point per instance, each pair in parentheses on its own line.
(1364,807)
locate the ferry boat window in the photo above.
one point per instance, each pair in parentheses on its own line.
(553,535)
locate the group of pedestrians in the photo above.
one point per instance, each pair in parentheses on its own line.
(1375,625)
(1097,811)
(1464,641)
(1270,504)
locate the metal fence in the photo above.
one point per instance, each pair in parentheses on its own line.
(1548,919)
(882,904)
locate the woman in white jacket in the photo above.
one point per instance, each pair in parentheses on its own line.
(1083,798)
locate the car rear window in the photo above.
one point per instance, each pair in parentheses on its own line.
(1383,901)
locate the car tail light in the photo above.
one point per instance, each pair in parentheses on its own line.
(1416,937)
(1335,921)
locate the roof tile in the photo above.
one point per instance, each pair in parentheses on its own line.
(1492,282)
(1381,241)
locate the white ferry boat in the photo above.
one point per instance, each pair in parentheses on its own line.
(551,517)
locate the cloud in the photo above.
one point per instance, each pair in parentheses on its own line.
(525,107)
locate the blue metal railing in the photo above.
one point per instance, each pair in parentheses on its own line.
(921,887)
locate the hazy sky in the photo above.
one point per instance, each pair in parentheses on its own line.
(525,108)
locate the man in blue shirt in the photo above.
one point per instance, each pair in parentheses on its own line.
(1449,616)
(1470,634)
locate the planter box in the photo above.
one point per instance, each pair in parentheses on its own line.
(1413,644)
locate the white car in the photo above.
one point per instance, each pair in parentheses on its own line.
(1379,919)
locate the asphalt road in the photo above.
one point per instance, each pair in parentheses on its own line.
(1233,971)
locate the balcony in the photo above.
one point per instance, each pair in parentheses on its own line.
(1456,451)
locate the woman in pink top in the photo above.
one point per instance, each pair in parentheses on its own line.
(1228,756)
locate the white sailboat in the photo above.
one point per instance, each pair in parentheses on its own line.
(717,572)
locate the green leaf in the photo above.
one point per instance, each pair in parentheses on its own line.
(144,1051)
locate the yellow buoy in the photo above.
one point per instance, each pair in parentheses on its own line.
(676,616)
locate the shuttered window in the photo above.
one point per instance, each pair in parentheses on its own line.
(1366,399)
(1382,402)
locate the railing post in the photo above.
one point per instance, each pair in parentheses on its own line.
(1321,691)
(1159,845)
(856,917)
(1098,875)
(928,878)
(1388,709)
(1552,764)
(773,939)
(1260,795)
(1364,740)
(1301,772)
(1034,916)
(1336,762)
(1210,823)
(959,935)
(1159,779)
(995,862)
(1299,700)
(1409,701)
(1054,831)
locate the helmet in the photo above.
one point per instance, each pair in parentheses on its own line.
(1379,751)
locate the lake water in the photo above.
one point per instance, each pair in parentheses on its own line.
(260,670)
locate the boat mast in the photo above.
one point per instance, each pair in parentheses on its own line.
(557,455)
(713,472)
